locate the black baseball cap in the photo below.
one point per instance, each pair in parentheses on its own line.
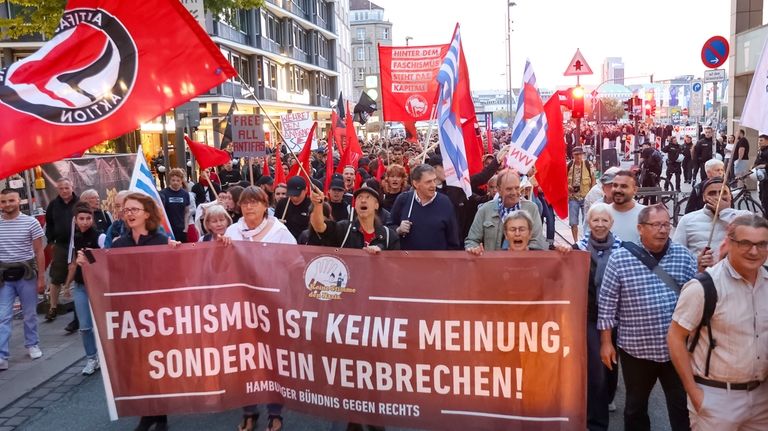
(265,179)
(366,189)
(337,184)
(296,185)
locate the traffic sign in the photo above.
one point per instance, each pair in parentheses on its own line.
(578,66)
(696,103)
(714,75)
(715,52)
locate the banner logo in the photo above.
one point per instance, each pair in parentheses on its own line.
(326,278)
(66,89)
(416,105)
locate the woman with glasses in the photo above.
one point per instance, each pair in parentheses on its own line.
(257,225)
(142,222)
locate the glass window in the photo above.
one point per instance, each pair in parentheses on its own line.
(360,34)
(360,54)
(360,75)
(272,75)
(385,34)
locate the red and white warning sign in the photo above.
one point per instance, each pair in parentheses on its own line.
(578,65)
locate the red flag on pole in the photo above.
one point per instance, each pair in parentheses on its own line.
(551,172)
(380,169)
(304,158)
(279,171)
(265,167)
(206,156)
(328,158)
(337,129)
(352,153)
(110,66)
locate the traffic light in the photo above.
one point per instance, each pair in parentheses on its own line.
(577,100)
(628,106)
(647,109)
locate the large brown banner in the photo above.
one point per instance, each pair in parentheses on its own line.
(435,340)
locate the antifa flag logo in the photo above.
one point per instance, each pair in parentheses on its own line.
(81,76)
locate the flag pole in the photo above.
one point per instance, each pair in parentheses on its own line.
(250,169)
(280,135)
(427,147)
(717,205)
(204,172)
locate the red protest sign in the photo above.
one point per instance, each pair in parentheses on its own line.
(409,86)
(496,342)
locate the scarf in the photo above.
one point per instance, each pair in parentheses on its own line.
(600,251)
(503,212)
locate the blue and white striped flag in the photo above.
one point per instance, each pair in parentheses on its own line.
(142,181)
(449,120)
(529,131)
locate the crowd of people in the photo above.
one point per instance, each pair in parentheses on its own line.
(646,293)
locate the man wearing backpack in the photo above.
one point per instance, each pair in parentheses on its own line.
(637,296)
(725,366)
(581,178)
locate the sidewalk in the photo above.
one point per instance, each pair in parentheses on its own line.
(60,351)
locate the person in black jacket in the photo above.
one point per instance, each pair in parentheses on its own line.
(58,230)
(703,151)
(674,166)
(365,231)
(203,191)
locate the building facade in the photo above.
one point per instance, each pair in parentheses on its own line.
(613,70)
(369,29)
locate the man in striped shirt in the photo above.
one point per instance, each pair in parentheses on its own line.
(639,304)
(22,264)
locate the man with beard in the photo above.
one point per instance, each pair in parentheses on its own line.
(624,209)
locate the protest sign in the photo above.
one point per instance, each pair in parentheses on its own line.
(248,136)
(409,81)
(296,127)
(433,340)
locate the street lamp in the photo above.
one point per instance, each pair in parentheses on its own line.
(509,60)
(408,39)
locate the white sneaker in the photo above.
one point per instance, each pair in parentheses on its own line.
(35,352)
(90,367)
(3,364)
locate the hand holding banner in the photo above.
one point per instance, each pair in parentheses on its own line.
(478,343)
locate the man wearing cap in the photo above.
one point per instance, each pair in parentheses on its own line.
(580,180)
(713,168)
(364,231)
(293,211)
(693,229)
(338,200)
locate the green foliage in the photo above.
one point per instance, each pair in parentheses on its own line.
(32,17)
(613,107)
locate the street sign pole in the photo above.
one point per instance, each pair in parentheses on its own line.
(578,122)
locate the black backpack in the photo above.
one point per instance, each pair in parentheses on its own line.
(710,302)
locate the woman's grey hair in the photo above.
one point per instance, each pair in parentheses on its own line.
(212,210)
(601,208)
(89,193)
(518,215)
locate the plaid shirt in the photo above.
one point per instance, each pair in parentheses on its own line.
(636,301)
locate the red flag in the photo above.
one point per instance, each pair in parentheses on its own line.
(279,172)
(337,129)
(353,152)
(411,134)
(304,158)
(406,165)
(380,169)
(265,167)
(551,166)
(111,66)
(206,156)
(489,134)
(329,158)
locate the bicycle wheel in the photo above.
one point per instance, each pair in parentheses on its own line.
(680,209)
(749,204)
(666,186)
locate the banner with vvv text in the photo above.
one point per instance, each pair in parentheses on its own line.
(430,340)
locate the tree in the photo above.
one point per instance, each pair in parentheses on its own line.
(614,107)
(42,16)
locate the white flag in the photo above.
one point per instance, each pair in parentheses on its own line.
(755,112)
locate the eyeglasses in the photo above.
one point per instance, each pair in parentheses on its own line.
(522,229)
(129,211)
(659,226)
(746,245)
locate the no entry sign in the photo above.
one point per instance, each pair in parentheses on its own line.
(714,52)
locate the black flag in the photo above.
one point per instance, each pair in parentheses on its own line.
(225,126)
(365,107)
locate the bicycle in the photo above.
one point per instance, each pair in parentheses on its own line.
(742,196)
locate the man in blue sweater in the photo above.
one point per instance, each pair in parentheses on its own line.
(424,219)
